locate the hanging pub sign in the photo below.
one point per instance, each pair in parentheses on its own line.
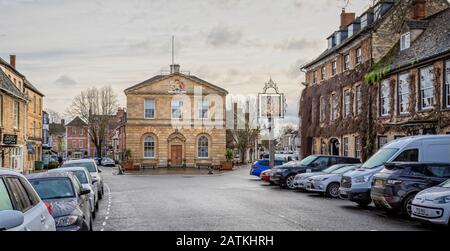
(9,139)
(271,104)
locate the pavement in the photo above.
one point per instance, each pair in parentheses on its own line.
(230,201)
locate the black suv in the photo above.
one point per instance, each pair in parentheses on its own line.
(284,175)
(395,187)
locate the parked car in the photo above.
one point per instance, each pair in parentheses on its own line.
(21,209)
(395,187)
(68,199)
(87,182)
(329,184)
(108,162)
(262,165)
(265,176)
(301,179)
(284,175)
(92,167)
(433,205)
(98,161)
(356,185)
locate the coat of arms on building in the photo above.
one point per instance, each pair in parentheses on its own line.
(177,86)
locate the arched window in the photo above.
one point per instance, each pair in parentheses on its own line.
(149,147)
(203,147)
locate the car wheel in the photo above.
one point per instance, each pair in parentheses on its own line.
(407,206)
(96,206)
(94,214)
(333,190)
(90,225)
(100,196)
(272,183)
(289,183)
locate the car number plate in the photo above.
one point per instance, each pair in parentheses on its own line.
(421,211)
(343,192)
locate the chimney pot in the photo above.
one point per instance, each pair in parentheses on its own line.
(174,68)
(419,9)
(12,60)
(346,18)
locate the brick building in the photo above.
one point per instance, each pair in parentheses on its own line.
(347,107)
(155,104)
(57,133)
(78,143)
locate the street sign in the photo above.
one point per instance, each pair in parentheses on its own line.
(9,139)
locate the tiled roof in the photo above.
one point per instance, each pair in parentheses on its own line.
(77,122)
(433,42)
(8,86)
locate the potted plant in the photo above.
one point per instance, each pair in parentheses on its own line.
(229,155)
(128,163)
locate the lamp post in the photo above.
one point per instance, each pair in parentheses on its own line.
(271,105)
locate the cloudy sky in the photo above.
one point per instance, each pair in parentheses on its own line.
(65,46)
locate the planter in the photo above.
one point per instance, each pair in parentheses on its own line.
(128,166)
(227,166)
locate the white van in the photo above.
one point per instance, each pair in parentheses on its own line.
(356,185)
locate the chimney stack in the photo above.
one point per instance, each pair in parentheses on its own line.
(63,122)
(12,60)
(174,68)
(419,9)
(347,18)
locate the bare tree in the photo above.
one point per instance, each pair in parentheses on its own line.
(244,139)
(54,116)
(96,107)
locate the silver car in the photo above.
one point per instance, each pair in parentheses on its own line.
(87,182)
(92,168)
(21,209)
(300,180)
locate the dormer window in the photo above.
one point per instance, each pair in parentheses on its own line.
(405,41)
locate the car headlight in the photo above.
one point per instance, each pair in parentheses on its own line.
(363,178)
(442,200)
(66,221)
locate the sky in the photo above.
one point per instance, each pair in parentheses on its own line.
(66,46)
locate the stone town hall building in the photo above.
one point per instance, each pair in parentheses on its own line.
(156,109)
(384,75)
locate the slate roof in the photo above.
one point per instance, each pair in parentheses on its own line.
(3,62)
(55,128)
(9,87)
(162,77)
(77,122)
(33,88)
(433,42)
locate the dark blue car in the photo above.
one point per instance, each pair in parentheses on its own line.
(262,165)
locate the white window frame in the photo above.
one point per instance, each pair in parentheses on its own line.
(315,77)
(385,102)
(358,95)
(80,144)
(346,62)
(405,41)
(149,104)
(380,143)
(202,106)
(358,57)
(202,147)
(177,109)
(334,68)
(16,114)
(358,147)
(447,84)
(426,88)
(347,103)
(149,147)
(403,95)
(334,106)
(346,148)
(323,73)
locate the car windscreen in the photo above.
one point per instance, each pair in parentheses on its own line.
(53,188)
(332,168)
(308,160)
(343,170)
(446,184)
(380,158)
(81,176)
(293,163)
(90,166)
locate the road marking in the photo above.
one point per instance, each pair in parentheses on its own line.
(108,207)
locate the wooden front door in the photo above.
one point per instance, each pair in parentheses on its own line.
(177,155)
